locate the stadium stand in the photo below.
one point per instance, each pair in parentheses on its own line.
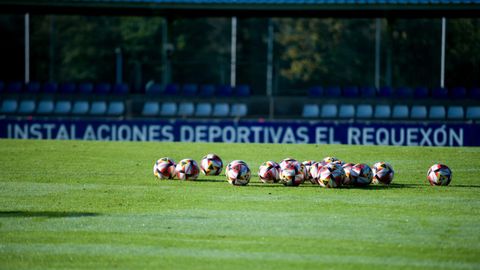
(437,112)
(9,106)
(242,90)
(45,107)
(333,92)
(382,112)
(189,89)
(368,92)
(310,111)
(62,107)
(400,112)
(207,90)
(33,87)
(121,89)
(421,92)
(329,111)
(316,91)
(14,87)
(68,88)
(346,111)
(80,107)
(473,113)
(85,88)
(239,110)
(364,111)
(153,88)
(98,108)
(168,109)
(221,110)
(50,88)
(203,109)
(26,107)
(351,91)
(186,109)
(455,113)
(418,112)
(150,108)
(116,108)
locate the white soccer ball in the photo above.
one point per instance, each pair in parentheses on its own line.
(307,164)
(187,169)
(238,173)
(347,167)
(439,175)
(382,173)
(361,175)
(269,172)
(211,164)
(164,168)
(332,175)
(314,172)
(328,160)
(291,173)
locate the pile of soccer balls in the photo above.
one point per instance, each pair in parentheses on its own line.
(330,172)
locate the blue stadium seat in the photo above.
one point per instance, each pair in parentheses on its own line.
(329,111)
(115,108)
(437,112)
(171,89)
(26,107)
(120,89)
(9,106)
(473,113)
(103,88)
(421,92)
(239,110)
(475,93)
(382,112)
(68,88)
(45,106)
(242,90)
(50,88)
(315,91)
(364,111)
(385,91)
(80,107)
(207,90)
(14,87)
(32,87)
(224,90)
(400,112)
(221,110)
(189,89)
(455,113)
(98,108)
(458,93)
(351,92)
(368,91)
(186,109)
(153,88)
(346,111)
(203,109)
(418,112)
(440,92)
(310,111)
(62,107)
(404,92)
(333,91)
(168,109)
(150,108)
(85,88)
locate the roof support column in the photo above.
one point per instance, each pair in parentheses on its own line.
(269,82)
(442,55)
(378,30)
(233,53)
(27,47)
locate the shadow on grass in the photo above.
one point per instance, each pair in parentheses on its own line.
(211,180)
(46,214)
(369,187)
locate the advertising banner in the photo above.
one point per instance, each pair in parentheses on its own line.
(244,131)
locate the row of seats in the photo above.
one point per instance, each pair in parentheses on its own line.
(206,90)
(389,92)
(62,107)
(185,109)
(151,88)
(367,111)
(64,88)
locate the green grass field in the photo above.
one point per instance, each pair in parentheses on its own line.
(73,204)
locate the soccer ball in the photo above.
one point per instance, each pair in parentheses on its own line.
(211,164)
(361,175)
(291,173)
(187,169)
(238,173)
(439,175)
(307,165)
(315,173)
(269,172)
(331,175)
(347,167)
(164,168)
(382,173)
(335,160)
